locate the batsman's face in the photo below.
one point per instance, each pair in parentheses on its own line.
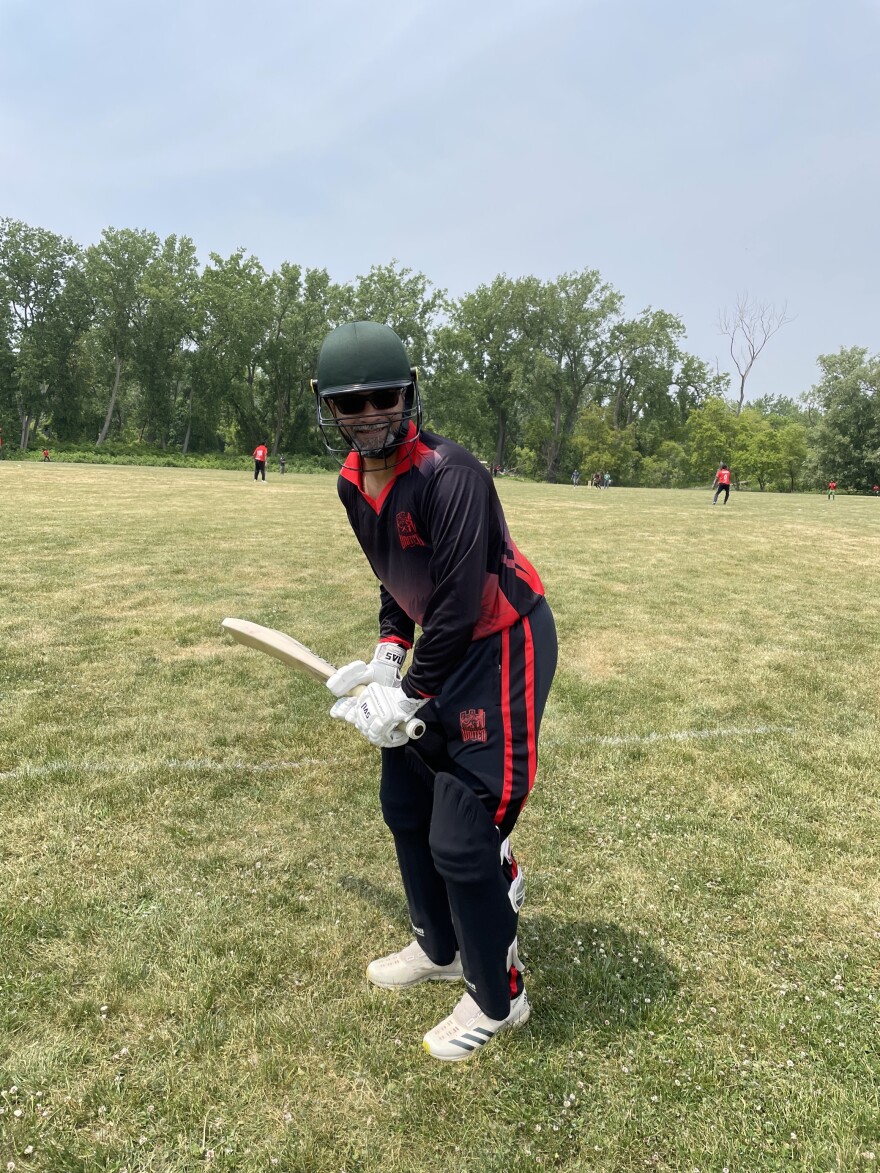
(371,421)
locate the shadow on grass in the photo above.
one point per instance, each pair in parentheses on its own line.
(580,974)
(589,975)
(391,904)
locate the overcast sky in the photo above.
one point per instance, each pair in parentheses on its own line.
(690,150)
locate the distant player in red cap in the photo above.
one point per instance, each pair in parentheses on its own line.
(832,485)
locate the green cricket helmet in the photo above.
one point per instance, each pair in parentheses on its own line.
(361,360)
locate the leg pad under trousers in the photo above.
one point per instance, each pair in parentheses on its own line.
(465,846)
(406,807)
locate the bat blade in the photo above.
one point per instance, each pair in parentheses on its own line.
(283,647)
(297,656)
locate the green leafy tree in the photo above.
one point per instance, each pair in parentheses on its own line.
(667,468)
(793,444)
(772,441)
(598,446)
(167,328)
(485,355)
(237,301)
(641,370)
(116,269)
(43,318)
(574,321)
(779,407)
(757,452)
(306,305)
(403,299)
(711,432)
(846,436)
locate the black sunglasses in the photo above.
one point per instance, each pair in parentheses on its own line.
(382,399)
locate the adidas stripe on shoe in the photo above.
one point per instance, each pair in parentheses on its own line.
(411,966)
(468,1029)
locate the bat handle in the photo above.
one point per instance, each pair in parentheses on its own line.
(414,728)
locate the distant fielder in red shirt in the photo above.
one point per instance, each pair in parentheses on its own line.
(722,481)
(261,452)
(832,485)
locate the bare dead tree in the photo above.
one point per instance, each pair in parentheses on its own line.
(749,326)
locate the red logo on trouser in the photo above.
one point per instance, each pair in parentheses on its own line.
(473,724)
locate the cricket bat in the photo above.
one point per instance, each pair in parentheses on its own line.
(297,656)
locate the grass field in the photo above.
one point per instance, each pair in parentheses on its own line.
(194,872)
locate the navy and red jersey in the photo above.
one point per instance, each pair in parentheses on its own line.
(439,545)
(723,476)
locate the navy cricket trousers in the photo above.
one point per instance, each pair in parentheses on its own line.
(452,799)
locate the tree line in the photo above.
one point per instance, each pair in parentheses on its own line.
(130,340)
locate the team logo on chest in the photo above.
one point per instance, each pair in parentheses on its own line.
(407,532)
(473,724)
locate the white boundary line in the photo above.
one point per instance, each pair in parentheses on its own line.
(194,766)
(199,766)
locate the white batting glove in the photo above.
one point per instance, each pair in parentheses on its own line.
(343,710)
(384,668)
(346,709)
(386,664)
(381,713)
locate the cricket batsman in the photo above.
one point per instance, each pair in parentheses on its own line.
(429,521)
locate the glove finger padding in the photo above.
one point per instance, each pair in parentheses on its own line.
(348,677)
(344,708)
(390,740)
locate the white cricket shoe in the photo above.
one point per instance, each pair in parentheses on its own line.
(468,1029)
(411,966)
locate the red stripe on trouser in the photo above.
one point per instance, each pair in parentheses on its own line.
(507,788)
(530,701)
(518,716)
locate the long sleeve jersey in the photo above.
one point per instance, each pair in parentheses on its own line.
(438,542)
